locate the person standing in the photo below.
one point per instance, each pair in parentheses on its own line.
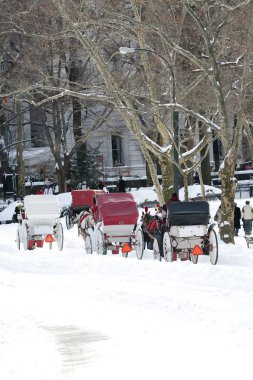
(121,185)
(247,216)
(237,219)
(196,178)
(56,189)
(101,185)
(173,198)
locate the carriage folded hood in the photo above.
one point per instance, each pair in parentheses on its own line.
(117,209)
(188,213)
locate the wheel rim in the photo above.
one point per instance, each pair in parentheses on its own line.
(140,245)
(67,221)
(167,248)
(194,258)
(25,237)
(213,247)
(88,247)
(156,251)
(18,240)
(60,236)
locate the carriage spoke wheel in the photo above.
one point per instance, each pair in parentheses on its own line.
(18,240)
(194,258)
(140,244)
(101,249)
(167,247)
(69,220)
(88,246)
(25,236)
(59,236)
(156,250)
(213,246)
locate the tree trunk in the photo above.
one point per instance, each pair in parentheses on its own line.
(19,149)
(167,176)
(227,202)
(62,178)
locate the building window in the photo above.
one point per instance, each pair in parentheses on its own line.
(117,151)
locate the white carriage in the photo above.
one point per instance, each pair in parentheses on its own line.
(39,222)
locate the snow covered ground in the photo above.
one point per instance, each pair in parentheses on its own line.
(69,315)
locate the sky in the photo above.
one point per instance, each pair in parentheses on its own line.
(69,315)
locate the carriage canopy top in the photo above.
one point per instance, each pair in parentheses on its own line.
(188,213)
(84,197)
(117,208)
(38,205)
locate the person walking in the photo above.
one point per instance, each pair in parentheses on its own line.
(247,216)
(237,219)
(121,185)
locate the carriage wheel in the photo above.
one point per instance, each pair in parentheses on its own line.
(167,247)
(88,245)
(18,240)
(101,248)
(156,250)
(213,246)
(194,258)
(140,244)
(69,222)
(25,236)
(59,236)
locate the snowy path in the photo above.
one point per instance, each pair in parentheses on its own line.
(68,315)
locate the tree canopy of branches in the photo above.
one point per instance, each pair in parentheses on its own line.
(188,58)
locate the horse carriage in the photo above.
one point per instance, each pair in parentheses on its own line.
(113,225)
(39,222)
(184,233)
(82,200)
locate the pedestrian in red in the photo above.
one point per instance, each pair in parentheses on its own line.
(173,198)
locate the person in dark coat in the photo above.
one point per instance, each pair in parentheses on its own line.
(196,178)
(101,185)
(121,185)
(237,219)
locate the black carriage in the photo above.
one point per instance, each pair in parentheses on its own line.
(185,234)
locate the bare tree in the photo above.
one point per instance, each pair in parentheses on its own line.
(186,58)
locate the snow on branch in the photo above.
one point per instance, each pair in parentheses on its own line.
(156,148)
(187,111)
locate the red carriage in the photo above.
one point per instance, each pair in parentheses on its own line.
(82,200)
(115,225)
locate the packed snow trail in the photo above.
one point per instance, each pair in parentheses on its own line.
(69,315)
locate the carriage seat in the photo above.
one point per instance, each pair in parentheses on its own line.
(42,209)
(188,213)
